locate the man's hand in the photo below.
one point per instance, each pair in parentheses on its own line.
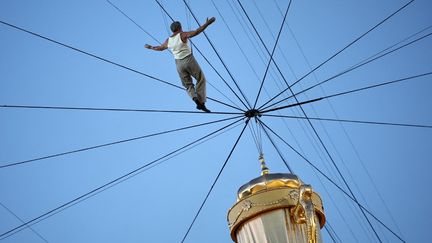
(210,21)
(200,29)
(162,47)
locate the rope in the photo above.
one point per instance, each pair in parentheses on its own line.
(17,217)
(139,26)
(96,190)
(353,121)
(331,231)
(262,42)
(214,183)
(351,69)
(377,85)
(255,138)
(271,55)
(113,143)
(115,109)
(343,49)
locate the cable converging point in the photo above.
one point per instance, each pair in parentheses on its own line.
(252,113)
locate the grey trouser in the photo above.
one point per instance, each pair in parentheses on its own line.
(186,68)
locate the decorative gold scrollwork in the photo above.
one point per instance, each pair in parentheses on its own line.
(304,213)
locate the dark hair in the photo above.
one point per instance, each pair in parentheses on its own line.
(175,26)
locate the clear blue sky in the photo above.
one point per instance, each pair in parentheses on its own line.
(158,205)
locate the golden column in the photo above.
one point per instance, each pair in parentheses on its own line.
(276,208)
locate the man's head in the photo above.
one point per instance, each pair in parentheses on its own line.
(175,26)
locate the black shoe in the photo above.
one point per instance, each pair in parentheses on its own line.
(204,108)
(198,104)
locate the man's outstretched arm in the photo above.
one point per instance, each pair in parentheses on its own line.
(200,29)
(162,47)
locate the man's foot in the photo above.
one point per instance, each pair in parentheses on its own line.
(197,102)
(204,108)
(200,106)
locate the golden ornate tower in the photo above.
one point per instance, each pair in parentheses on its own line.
(276,208)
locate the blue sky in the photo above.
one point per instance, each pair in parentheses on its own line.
(159,204)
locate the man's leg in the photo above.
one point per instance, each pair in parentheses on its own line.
(197,73)
(185,77)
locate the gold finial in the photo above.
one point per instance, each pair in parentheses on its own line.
(264,169)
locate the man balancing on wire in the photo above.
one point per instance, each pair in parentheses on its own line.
(186,64)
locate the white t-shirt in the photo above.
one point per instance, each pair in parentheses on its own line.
(179,49)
